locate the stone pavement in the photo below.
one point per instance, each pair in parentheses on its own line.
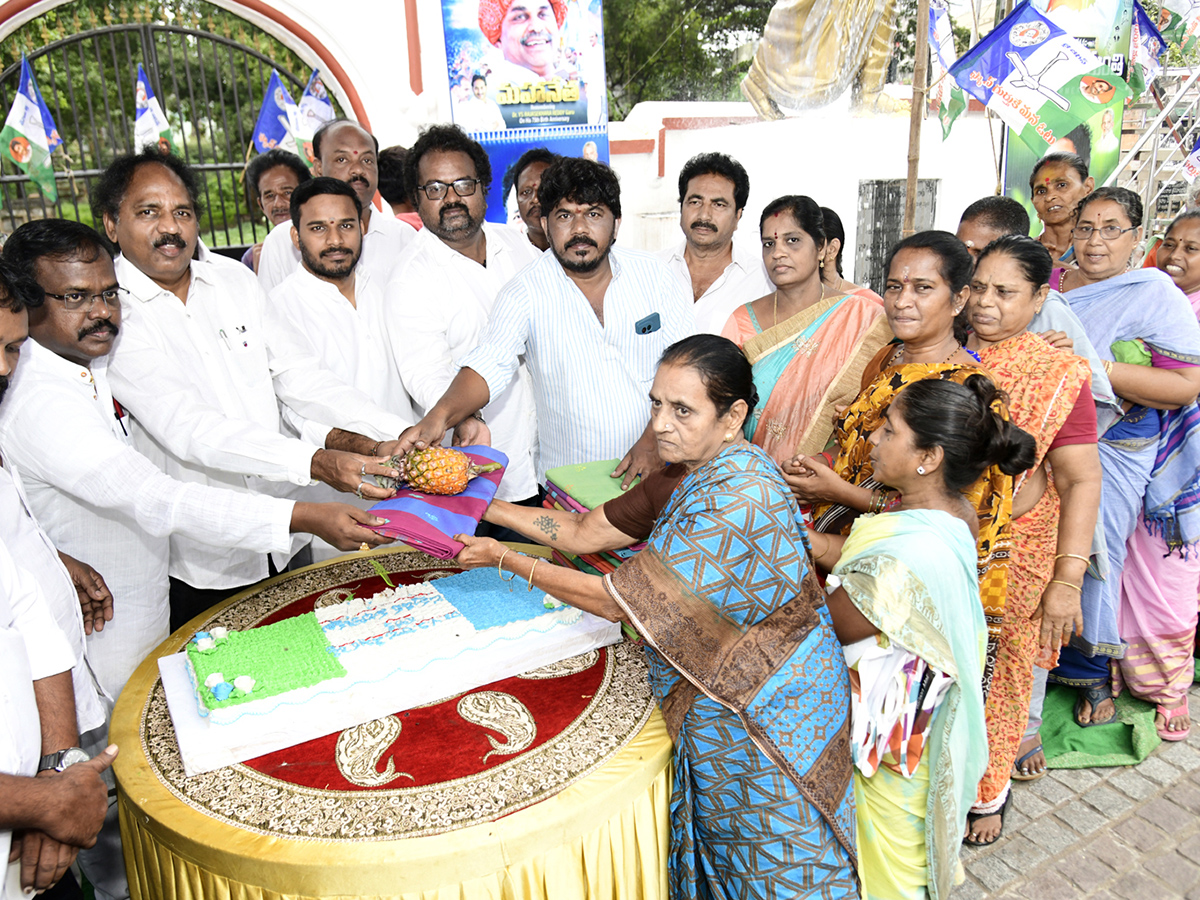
(1108,834)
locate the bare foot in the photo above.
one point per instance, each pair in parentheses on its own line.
(1035,764)
(1175,723)
(985,830)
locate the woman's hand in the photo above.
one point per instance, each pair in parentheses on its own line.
(1059,339)
(810,479)
(478,552)
(1060,614)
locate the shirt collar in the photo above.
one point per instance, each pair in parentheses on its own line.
(435,245)
(142,287)
(59,367)
(743,257)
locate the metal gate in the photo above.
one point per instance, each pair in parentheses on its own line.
(210,86)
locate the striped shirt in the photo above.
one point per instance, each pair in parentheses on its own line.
(590,381)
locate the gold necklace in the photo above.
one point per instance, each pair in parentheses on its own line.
(900,355)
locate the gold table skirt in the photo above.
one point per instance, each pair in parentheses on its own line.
(605,836)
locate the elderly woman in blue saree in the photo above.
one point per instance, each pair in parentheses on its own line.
(741,650)
(1146,332)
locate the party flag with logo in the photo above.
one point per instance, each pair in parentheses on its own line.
(1191,165)
(1039,80)
(949,96)
(315,110)
(150,128)
(29,134)
(1146,47)
(278,120)
(1179,22)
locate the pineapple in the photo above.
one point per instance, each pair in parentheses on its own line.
(438,470)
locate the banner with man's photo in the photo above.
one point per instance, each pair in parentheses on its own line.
(527,73)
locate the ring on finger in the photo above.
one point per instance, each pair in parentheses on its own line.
(358,493)
(362,470)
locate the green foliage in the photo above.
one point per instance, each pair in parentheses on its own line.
(678,49)
(1174,57)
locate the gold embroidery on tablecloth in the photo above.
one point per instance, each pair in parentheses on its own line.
(360,749)
(503,713)
(565,667)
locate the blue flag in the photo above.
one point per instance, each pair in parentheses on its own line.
(29,134)
(277,121)
(1146,47)
(150,126)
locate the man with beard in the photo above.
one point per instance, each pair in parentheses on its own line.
(348,152)
(719,272)
(445,286)
(204,364)
(526,175)
(590,320)
(338,309)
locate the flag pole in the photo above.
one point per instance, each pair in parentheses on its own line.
(919,94)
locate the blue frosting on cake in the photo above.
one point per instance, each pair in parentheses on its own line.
(487,601)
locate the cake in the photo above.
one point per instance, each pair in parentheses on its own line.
(398,644)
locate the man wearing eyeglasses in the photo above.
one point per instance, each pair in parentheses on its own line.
(348,152)
(444,287)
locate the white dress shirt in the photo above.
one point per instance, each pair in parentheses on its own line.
(204,381)
(31,648)
(438,304)
(350,342)
(382,243)
(112,507)
(24,538)
(744,279)
(591,382)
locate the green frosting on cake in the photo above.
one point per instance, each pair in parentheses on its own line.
(281,657)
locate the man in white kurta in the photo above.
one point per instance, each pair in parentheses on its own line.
(348,152)
(720,272)
(337,309)
(444,288)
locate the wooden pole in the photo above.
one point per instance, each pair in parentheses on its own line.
(919,94)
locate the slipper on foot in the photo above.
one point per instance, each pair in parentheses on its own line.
(1019,775)
(972,818)
(1094,696)
(1164,731)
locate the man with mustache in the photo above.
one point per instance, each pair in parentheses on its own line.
(348,152)
(526,175)
(526,34)
(337,308)
(589,320)
(204,364)
(445,286)
(720,273)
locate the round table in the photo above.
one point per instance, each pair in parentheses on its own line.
(578,810)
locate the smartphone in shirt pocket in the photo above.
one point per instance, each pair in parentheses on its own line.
(648,325)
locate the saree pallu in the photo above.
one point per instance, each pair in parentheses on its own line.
(805,366)
(912,574)
(991,496)
(1042,384)
(753,688)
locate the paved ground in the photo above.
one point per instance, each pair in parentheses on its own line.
(1108,834)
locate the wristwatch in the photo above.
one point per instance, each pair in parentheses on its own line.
(63,758)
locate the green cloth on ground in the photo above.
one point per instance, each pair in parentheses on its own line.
(1125,742)
(588,484)
(1197,677)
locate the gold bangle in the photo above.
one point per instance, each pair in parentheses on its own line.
(1073,556)
(529,580)
(1108,364)
(500,562)
(1067,584)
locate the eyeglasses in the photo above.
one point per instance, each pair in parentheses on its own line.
(436,190)
(110,298)
(1108,232)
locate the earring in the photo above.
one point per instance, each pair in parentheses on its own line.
(920,470)
(821,265)
(728,438)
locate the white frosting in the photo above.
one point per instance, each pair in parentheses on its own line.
(213,680)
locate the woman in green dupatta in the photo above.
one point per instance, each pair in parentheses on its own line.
(741,650)
(904,598)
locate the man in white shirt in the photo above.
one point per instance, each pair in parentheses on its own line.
(348,152)
(57,814)
(337,309)
(720,273)
(203,364)
(445,286)
(590,321)
(526,175)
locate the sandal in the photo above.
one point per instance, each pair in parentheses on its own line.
(1168,714)
(972,818)
(1018,775)
(1094,696)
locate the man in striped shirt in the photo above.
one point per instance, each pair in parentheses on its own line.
(590,320)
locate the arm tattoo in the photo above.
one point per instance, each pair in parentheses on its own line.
(548,526)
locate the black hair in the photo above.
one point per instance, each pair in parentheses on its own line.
(722,367)
(57,239)
(332,124)
(955,265)
(109,189)
(18,291)
(1032,256)
(389,163)
(317,187)
(580,181)
(1002,214)
(804,210)
(1074,160)
(960,419)
(717,164)
(445,139)
(265,162)
(478,76)
(1130,203)
(1081,139)
(526,159)
(1187,216)
(834,232)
